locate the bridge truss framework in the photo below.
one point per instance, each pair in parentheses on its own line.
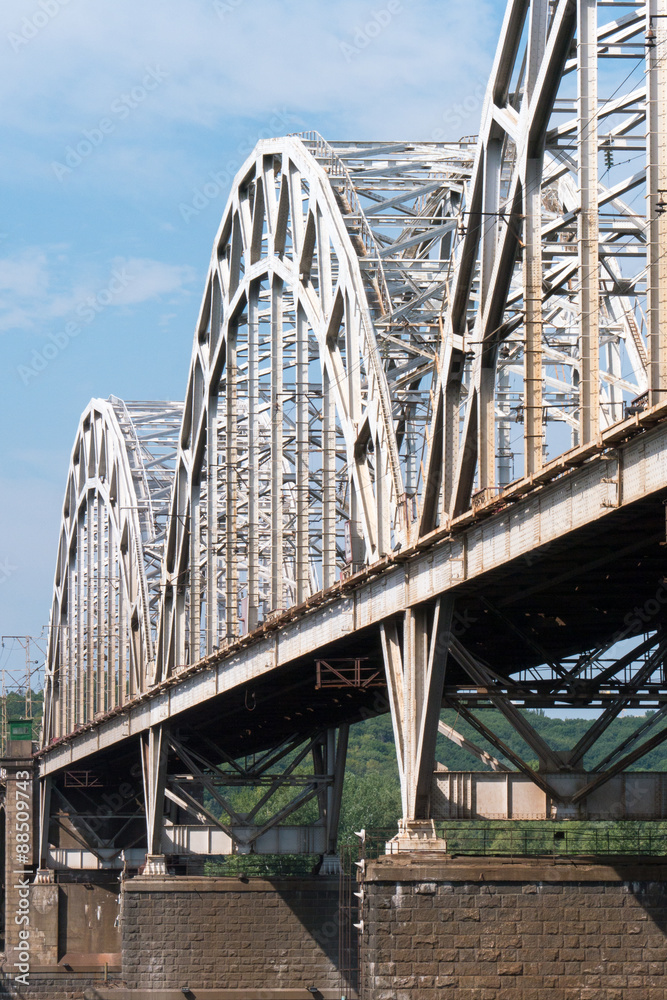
(421,373)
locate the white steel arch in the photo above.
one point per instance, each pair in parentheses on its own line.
(554,317)
(101,648)
(311,379)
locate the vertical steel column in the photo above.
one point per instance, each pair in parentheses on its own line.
(68,685)
(486,402)
(358,495)
(352,320)
(44,818)
(123,652)
(212,623)
(382,503)
(180,584)
(415,682)
(328,482)
(277,597)
(231,417)
(587,142)
(429,710)
(82,605)
(91,596)
(323,263)
(253,457)
(112,623)
(154,770)
(102,599)
(296,201)
(532,284)
(133,637)
(505,455)
(336,757)
(58,679)
(450,441)
(656,148)
(532,258)
(394,674)
(302,456)
(195,569)
(415,657)
(487,427)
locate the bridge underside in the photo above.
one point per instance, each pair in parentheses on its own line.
(603,583)
(537,631)
(420,463)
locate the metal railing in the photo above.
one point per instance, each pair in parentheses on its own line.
(250,866)
(532,839)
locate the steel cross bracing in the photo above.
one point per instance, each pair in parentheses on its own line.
(311,380)
(554,317)
(419,370)
(107,584)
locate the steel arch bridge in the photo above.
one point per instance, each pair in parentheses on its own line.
(421,373)
(106,600)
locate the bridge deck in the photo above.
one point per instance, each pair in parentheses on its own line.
(551,553)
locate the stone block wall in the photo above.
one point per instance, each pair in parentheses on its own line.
(226,933)
(61,985)
(483,929)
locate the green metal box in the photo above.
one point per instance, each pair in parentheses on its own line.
(20,729)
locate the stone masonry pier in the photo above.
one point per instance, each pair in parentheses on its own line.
(498,929)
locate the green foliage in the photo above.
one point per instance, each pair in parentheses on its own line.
(369,801)
(371,796)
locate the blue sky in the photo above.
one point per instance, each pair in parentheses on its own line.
(114,116)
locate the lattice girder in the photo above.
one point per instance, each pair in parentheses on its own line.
(552,322)
(294,396)
(106,592)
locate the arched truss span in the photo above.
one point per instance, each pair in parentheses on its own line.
(311,379)
(101,648)
(554,323)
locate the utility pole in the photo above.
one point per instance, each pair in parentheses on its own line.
(24,641)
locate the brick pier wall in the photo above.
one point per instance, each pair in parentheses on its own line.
(490,929)
(224,933)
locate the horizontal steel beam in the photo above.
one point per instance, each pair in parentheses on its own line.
(194,841)
(509,795)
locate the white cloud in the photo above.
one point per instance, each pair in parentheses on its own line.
(38,286)
(151,279)
(25,274)
(262,53)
